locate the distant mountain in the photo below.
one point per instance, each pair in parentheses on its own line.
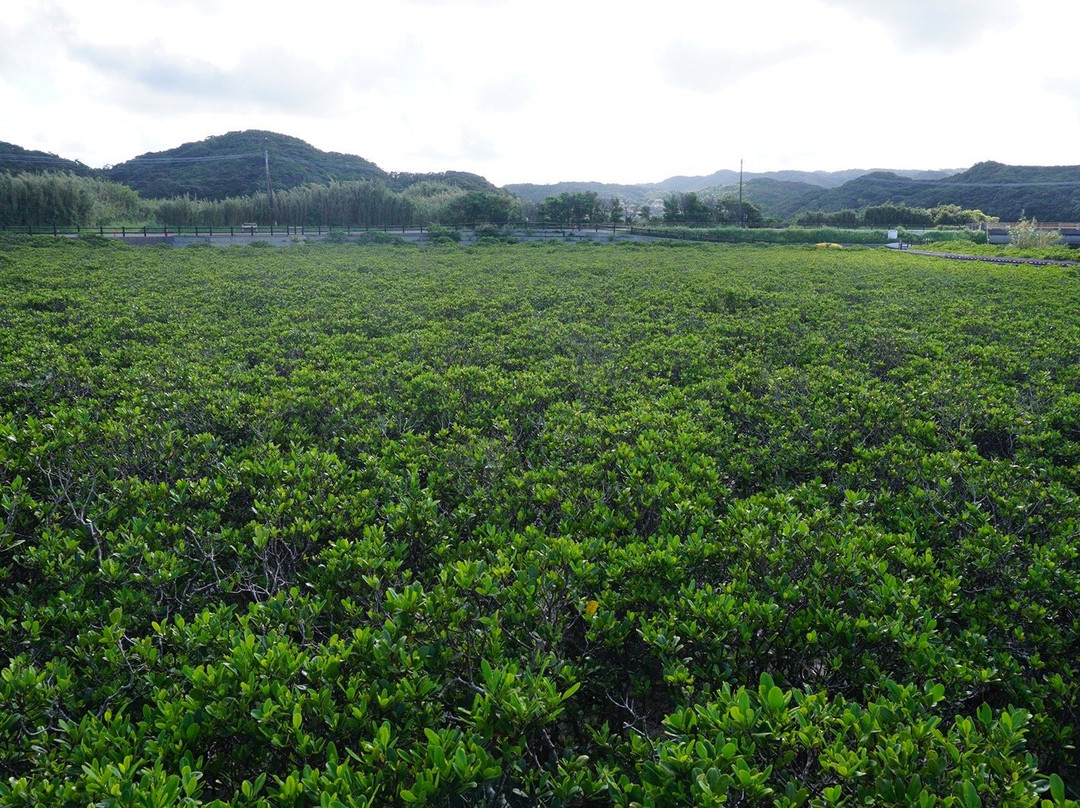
(632,195)
(15,160)
(681,184)
(834,179)
(1049,193)
(821,179)
(780,194)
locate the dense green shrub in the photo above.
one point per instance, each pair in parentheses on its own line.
(1055,253)
(788,235)
(440,234)
(660,525)
(962,235)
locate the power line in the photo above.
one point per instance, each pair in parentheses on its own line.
(207,159)
(31,158)
(949,184)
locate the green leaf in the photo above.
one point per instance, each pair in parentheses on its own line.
(1057,789)
(971,795)
(461,761)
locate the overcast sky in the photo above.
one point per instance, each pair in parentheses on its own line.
(560,90)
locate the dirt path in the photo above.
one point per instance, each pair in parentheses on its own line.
(994,259)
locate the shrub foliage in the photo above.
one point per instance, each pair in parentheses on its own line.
(536,525)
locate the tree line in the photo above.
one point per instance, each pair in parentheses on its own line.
(67,200)
(64,199)
(890,214)
(586,207)
(690,208)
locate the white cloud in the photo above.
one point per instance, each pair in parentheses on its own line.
(703,69)
(148,77)
(505,95)
(617,91)
(934,24)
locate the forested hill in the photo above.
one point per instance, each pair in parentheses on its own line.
(400,180)
(233,165)
(17,160)
(1048,193)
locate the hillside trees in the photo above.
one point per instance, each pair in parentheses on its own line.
(16,160)
(1051,193)
(233,165)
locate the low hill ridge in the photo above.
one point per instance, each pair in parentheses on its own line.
(16,160)
(233,164)
(1048,193)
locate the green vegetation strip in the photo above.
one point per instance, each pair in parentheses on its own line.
(1055,253)
(656,525)
(786,235)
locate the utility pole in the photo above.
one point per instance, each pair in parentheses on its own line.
(269,189)
(740,192)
